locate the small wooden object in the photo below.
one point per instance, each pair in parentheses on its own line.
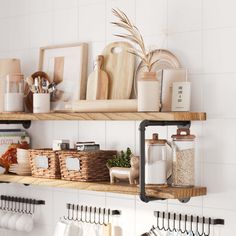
(119,64)
(97,84)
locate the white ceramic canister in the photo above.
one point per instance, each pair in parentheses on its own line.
(2,85)
(41,102)
(156,161)
(14,93)
(149,92)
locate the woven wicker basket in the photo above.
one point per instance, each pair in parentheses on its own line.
(90,166)
(44,163)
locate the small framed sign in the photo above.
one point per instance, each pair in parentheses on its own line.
(66,65)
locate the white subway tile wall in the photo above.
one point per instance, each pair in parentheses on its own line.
(202,33)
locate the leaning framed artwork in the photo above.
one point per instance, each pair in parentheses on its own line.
(66,65)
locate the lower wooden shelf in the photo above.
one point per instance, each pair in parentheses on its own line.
(157,192)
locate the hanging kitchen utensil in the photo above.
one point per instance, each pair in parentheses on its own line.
(97,84)
(119,64)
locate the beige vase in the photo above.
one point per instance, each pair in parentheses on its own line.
(149,93)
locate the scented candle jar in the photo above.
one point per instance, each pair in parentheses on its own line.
(14,93)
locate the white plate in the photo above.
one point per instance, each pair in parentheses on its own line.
(163,59)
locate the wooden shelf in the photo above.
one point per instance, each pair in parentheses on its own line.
(162,116)
(157,192)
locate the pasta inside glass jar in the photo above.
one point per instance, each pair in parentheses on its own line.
(183,144)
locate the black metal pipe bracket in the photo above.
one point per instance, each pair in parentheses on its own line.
(25,123)
(142,128)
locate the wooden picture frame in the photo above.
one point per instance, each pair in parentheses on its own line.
(66,65)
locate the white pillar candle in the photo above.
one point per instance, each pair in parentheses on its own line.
(13,102)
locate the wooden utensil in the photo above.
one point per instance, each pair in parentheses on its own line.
(107,230)
(97,84)
(119,64)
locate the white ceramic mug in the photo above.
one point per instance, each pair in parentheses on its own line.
(41,102)
(12,221)
(4,220)
(2,213)
(25,223)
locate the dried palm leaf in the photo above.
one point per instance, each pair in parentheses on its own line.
(134,36)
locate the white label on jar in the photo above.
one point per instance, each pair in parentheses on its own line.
(72,164)
(41,162)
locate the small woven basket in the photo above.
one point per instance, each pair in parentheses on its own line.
(85,166)
(44,163)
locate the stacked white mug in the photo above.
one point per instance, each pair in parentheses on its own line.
(16,221)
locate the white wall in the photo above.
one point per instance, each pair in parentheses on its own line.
(202,33)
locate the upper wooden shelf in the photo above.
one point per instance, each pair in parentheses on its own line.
(157,192)
(162,116)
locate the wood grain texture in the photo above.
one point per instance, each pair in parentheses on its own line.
(119,64)
(166,193)
(162,116)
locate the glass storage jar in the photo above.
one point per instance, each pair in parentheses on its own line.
(156,161)
(183,147)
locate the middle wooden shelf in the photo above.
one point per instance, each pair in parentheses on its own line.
(121,188)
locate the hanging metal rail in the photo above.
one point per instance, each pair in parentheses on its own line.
(185,224)
(89,214)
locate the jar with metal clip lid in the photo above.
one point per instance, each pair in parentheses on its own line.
(156,161)
(183,148)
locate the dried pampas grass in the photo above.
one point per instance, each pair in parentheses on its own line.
(134,36)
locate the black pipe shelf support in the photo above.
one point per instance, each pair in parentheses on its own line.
(142,128)
(25,123)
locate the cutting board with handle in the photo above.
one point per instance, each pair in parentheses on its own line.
(119,63)
(97,84)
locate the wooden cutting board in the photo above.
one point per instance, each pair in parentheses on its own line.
(119,64)
(97,84)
